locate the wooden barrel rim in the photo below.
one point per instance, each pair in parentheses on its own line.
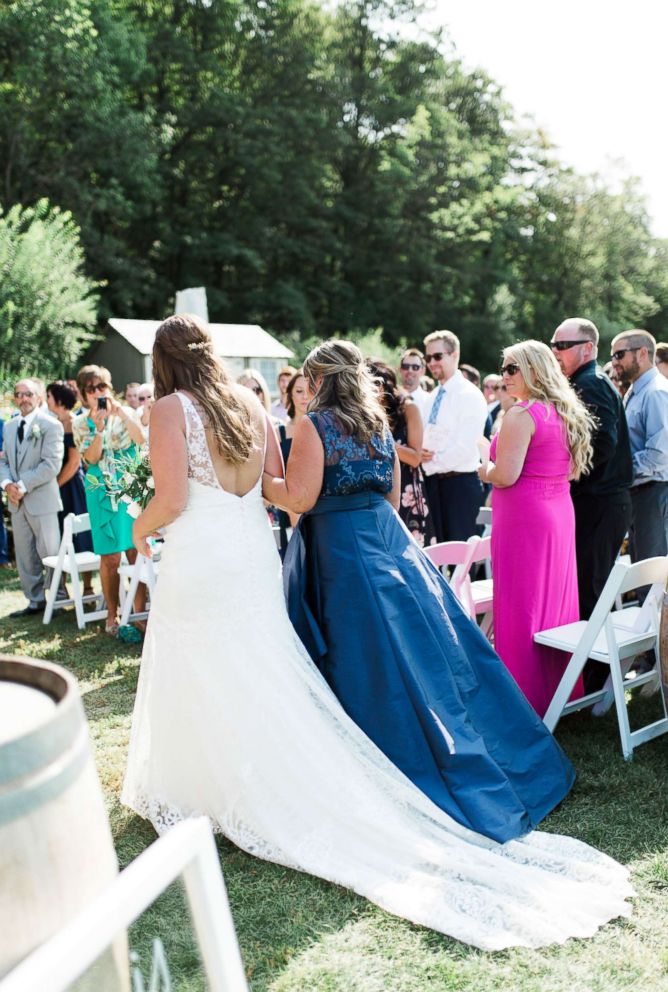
(40,764)
(50,679)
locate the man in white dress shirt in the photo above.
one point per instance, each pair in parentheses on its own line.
(411,370)
(453,426)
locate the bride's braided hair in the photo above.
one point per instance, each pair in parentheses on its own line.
(184,358)
(346,388)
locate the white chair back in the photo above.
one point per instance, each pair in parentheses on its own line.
(74,564)
(614,637)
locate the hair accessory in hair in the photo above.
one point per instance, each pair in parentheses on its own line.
(198,345)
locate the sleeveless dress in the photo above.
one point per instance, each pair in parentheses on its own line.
(110,524)
(533,555)
(73,498)
(404,659)
(232,721)
(413,506)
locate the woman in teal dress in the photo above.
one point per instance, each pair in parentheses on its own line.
(106,433)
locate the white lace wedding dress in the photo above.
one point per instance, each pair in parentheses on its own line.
(233,721)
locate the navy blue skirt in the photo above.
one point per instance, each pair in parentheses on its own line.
(415,673)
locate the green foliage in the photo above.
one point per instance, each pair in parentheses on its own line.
(48,306)
(322,170)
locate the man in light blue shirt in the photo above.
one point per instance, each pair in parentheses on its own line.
(646,405)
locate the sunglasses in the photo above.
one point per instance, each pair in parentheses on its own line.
(510,369)
(23,394)
(98,388)
(405,366)
(618,355)
(565,345)
(436,356)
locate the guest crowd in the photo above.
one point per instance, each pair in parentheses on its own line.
(572,457)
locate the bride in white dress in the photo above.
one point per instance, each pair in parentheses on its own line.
(233,721)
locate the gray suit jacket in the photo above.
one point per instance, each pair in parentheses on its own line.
(36,462)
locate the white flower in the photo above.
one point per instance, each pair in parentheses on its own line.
(134,509)
(127,479)
(125,499)
(150,483)
(35,433)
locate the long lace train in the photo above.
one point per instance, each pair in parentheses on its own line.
(233,721)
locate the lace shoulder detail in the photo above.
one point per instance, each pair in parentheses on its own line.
(353,466)
(200,466)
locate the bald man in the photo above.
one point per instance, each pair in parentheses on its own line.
(601,498)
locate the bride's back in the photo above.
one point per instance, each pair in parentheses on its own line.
(225,425)
(237,478)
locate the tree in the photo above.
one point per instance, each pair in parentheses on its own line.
(48,306)
(74,130)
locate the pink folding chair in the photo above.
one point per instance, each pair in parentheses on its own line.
(455,553)
(477,595)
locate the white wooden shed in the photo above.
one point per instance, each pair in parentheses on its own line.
(127,346)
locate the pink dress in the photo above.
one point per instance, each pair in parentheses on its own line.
(533,557)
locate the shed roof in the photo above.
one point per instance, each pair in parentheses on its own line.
(230,340)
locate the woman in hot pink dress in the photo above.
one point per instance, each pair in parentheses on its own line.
(544,441)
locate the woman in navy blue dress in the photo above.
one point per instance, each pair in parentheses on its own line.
(406,662)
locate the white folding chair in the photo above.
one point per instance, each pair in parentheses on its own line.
(614,637)
(186,851)
(73,564)
(484,519)
(142,570)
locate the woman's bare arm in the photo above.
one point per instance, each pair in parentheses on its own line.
(411,453)
(169,464)
(273,459)
(301,487)
(70,468)
(515,435)
(394,495)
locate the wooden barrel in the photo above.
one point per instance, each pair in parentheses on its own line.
(56,850)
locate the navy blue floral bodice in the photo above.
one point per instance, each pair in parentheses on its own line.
(353,466)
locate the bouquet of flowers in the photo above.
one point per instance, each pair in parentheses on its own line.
(128,479)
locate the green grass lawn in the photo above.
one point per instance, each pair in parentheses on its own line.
(299,933)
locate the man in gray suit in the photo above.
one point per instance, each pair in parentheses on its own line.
(31,461)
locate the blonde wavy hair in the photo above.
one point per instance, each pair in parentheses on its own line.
(184,358)
(546,382)
(347,388)
(249,374)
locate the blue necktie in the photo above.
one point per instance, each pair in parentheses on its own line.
(436,405)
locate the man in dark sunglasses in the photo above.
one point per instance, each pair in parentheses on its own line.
(646,403)
(450,456)
(601,498)
(411,371)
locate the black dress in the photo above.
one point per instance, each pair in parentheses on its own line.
(73,496)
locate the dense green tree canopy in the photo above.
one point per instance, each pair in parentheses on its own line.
(320,170)
(48,306)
